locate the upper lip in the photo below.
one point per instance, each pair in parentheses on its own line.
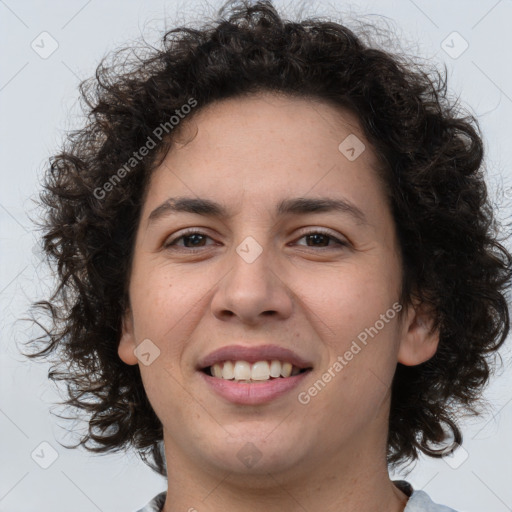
(252,355)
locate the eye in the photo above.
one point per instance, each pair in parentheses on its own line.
(195,237)
(323,237)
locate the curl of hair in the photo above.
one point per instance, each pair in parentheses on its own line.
(431,167)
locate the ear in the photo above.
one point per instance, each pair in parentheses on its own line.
(127,343)
(419,341)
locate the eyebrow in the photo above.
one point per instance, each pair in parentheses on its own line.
(295,206)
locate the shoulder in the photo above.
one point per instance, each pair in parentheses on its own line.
(156,504)
(420,501)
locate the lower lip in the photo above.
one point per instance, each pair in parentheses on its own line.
(254,393)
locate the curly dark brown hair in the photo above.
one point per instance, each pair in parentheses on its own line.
(431,162)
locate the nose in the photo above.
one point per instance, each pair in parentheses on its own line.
(253,289)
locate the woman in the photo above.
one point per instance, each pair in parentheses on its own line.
(278,270)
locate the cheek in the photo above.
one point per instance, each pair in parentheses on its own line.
(165,298)
(348,298)
(354,384)
(357,313)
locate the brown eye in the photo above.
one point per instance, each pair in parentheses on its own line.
(321,239)
(191,240)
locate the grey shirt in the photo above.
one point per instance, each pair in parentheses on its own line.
(419,501)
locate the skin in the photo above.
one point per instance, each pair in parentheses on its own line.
(312,296)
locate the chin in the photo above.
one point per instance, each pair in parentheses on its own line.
(257,455)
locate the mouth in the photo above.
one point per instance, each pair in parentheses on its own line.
(252,375)
(257,372)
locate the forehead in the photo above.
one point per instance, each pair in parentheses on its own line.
(265,146)
(281,117)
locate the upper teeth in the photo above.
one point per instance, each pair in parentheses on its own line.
(261,370)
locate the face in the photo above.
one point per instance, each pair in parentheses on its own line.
(311,280)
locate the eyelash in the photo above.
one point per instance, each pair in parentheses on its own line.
(191,232)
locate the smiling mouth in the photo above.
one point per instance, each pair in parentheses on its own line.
(258,372)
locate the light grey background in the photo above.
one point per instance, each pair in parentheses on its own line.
(38,104)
